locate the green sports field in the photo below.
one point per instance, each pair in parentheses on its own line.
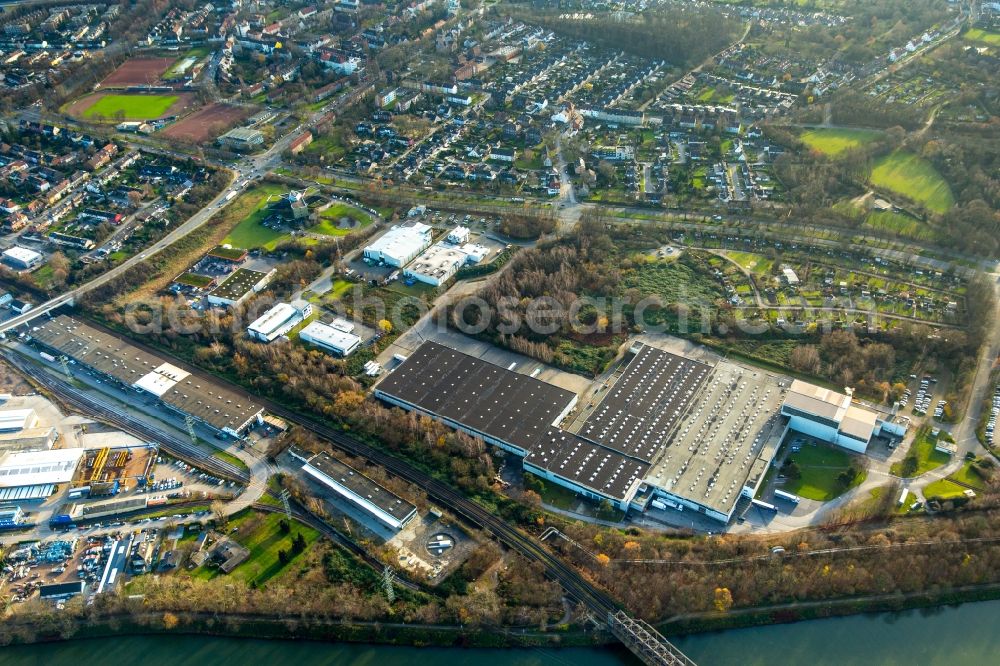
(836,141)
(985,36)
(132,107)
(914,178)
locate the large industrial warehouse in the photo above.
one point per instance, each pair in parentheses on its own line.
(696,435)
(206,400)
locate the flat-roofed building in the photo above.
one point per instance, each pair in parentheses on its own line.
(61,591)
(833,417)
(593,471)
(29,439)
(161,379)
(279,320)
(33,475)
(242,138)
(400,245)
(504,408)
(721,443)
(664,426)
(458,235)
(13,420)
(129,366)
(437,265)
(241,285)
(330,338)
(362,491)
(21,258)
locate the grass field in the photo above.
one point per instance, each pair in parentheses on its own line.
(751,262)
(943,489)
(330,218)
(194,280)
(914,178)
(228,457)
(954,486)
(897,223)
(969,476)
(985,36)
(132,107)
(250,233)
(836,141)
(921,457)
(264,538)
(819,469)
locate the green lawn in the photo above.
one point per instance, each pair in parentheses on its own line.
(921,458)
(330,218)
(836,141)
(264,542)
(751,262)
(979,35)
(897,223)
(914,178)
(968,476)
(193,280)
(340,287)
(943,489)
(820,467)
(250,233)
(134,107)
(955,485)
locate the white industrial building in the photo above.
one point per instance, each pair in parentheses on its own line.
(832,417)
(21,258)
(437,265)
(332,338)
(279,320)
(458,235)
(474,253)
(350,484)
(33,475)
(400,245)
(14,420)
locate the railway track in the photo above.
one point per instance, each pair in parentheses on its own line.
(175,446)
(338,538)
(598,602)
(643,640)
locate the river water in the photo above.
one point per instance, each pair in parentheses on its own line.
(955,636)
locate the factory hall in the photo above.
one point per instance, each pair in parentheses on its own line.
(661,430)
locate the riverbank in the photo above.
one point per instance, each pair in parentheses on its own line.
(58,627)
(944,636)
(818,610)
